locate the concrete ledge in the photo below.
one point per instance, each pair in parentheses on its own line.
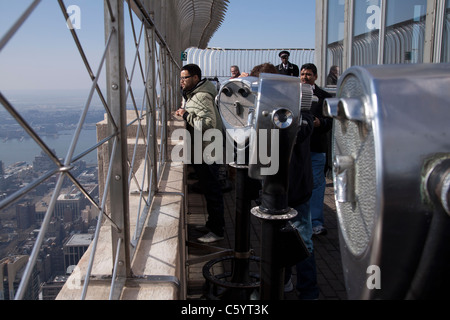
(159,253)
(98,290)
(159,261)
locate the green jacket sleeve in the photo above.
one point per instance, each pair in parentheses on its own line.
(201,115)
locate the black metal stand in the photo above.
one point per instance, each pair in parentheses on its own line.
(243,282)
(273,252)
(281,244)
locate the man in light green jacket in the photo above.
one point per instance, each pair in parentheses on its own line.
(201,114)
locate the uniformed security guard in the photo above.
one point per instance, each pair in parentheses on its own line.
(285,67)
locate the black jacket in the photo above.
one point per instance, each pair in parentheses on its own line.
(300,170)
(292,70)
(319,137)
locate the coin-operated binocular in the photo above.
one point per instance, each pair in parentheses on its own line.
(262,117)
(391,151)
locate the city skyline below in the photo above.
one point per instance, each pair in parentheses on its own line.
(54,116)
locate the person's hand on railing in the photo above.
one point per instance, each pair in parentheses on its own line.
(180,112)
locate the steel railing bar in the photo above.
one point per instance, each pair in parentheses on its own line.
(87,105)
(92,256)
(130,79)
(18,24)
(141,189)
(149,66)
(108,4)
(133,177)
(130,90)
(16,115)
(98,227)
(86,62)
(145,78)
(33,257)
(133,159)
(147,157)
(138,118)
(88,196)
(20,193)
(87,151)
(163,167)
(64,167)
(162,159)
(138,229)
(136,41)
(40,238)
(114,275)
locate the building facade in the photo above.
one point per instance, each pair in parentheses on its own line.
(75,247)
(374,32)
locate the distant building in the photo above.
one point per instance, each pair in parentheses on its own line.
(25,215)
(2,181)
(57,259)
(11,271)
(75,247)
(42,162)
(68,206)
(51,288)
(89,214)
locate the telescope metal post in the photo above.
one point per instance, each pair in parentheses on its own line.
(272,273)
(241,261)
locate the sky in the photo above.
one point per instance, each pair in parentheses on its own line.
(42,54)
(257,24)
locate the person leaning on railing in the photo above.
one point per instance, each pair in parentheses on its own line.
(201,114)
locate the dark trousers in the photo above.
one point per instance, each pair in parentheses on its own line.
(306,278)
(208,179)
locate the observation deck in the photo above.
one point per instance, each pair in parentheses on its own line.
(139,250)
(169,261)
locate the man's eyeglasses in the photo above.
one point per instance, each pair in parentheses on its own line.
(185,78)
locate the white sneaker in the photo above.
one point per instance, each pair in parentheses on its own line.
(210,237)
(320,230)
(288,287)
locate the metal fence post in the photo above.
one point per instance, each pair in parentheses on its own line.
(152,102)
(116,87)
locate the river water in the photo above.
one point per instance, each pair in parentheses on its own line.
(13,150)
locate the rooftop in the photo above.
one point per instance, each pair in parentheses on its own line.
(80,240)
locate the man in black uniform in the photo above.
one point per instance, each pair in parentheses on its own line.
(285,67)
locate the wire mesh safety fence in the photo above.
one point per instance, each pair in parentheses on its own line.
(136,99)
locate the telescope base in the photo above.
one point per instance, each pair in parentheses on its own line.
(238,284)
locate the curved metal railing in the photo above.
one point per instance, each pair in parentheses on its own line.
(216,62)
